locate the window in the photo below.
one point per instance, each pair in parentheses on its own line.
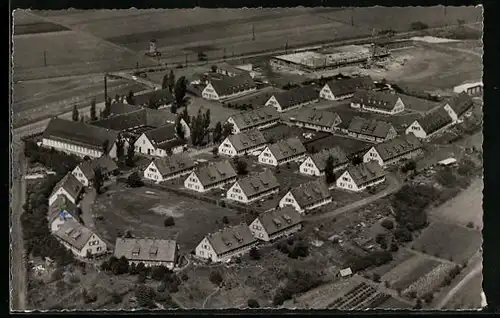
(201,252)
(99,248)
(345,178)
(240,197)
(143,141)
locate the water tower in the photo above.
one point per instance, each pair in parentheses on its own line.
(153,49)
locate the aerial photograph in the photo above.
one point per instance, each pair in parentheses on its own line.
(257,158)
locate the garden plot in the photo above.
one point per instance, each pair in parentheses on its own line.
(449,241)
(430,281)
(409,271)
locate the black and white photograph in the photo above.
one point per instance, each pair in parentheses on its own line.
(297,158)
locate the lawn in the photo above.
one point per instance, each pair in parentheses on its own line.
(449,241)
(469,296)
(143,210)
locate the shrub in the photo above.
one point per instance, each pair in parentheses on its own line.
(141,278)
(254,253)
(402,234)
(253,303)
(216,278)
(132,269)
(376,278)
(418,25)
(173,288)
(394,247)
(379,238)
(470,225)
(225,220)
(185,277)
(120,266)
(299,249)
(58,274)
(134,180)
(446,178)
(169,221)
(283,248)
(418,304)
(412,294)
(145,296)
(117,298)
(158,272)
(428,297)
(387,224)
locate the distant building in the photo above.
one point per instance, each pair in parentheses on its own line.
(228,87)
(79,138)
(60,211)
(253,187)
(235,70)
(84,172)
(255,119)
(345,88)
(293,98)
(371,130)
(283,151)
(377,101)
(392,151)
(357,178)
(317,120)
(211,176)
(315,164)
(247,142)
(472,89)
(150,252)
(226,243)
(458,105)
(275,224)
(69,186)
(307,196)
(168,168)
(159,142)
(431,123)
(80,240)
(162,98)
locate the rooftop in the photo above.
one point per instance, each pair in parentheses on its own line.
(74,234)
(172,164)
(279,219)
(311,192)
(215,172)
(146,249)
(231,238)
(257,183)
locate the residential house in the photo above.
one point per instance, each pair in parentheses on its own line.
(431,123)
(277,223)
(228,87)
(84,172)
(345,88)
(377,101)
(159,142)
(168,168)
(226,243)
(150,252)
(255,119)
(163,98)
(79,138)
(211,176)
(293,98)
(393,151)
(60,211)
(472,89)
(308,196)
(253,187)
(458,106)
(283,151)
(69,186)
(371,130)
(247,142)
(315,164)
(357,178)
(80,240)
(317,120)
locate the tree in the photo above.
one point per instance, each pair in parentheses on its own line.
(130,153)
(185,116)
(169,221)
(93,113)
(356,160)
(214,68)
(206,120)
(152,103)
(179,129)
(376,278)
(107,108)
(299,249)
(227,129)
(225,219)
(158,272)
(217,133)
(202,56)
(418,25)
(75,113)
(411,165)
(216,278)
(134,180)
(252,303)
(180,90)
(254,253)
(215,151)
(241,166)
(173,108)
(145,296)
(171,80)
(418,304)
(120,149)
(105,147)
(130,98)
(164,82)
(117,99)
(329,174)
(98,179)
(120,267)
(410,204)
(387,224)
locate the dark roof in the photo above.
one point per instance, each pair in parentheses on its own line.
(398,146)
(160,95)
(346,119)
(348,86)
(105,163)
(228,85)
(146,249)
(168,145)
(365,172)
(287,148)
(79,133)
(258,183)
(74,233)
(231,238)
(280,219)
(139,118)
(121,108)
(173,164)
(69,183)
(296,96)
(375,99)
(225,66)
(215,172)
(434,120)
(369,127)
(256,117)
(317,117)
(311,192)
(339,157)
(161,134)
(60,207)
(247,139)
(461,103)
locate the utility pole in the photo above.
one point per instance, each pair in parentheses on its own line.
(45,58)
(286,46)
(224,56)
(186,60)
(105,87)
(352,16)
(253,32)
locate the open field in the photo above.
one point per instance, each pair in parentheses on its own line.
(143,210)
(469,295)
(449,241)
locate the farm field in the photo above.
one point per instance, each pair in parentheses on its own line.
(143,210)
(469,295)
(449,241)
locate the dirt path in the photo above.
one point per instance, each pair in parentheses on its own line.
(208,297)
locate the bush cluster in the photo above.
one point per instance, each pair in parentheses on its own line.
(297,282)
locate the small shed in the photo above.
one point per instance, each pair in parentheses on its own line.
(447,162)
(346,272)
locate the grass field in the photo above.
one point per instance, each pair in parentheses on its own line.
(408,271)
(449,241)
(394,303)
(469,295)
(143,210)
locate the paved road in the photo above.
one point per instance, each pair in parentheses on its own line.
(394,185)
(17,260)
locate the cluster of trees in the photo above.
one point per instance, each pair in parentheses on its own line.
(221,131)
(242,106)
(415,93)
(168,81)
(409,166)
(200,127)
(134,180)
(375,258)
(293,248)
(410,204)
(60,162)
(241,166)
(216,278)
(297,282)
(330,175)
